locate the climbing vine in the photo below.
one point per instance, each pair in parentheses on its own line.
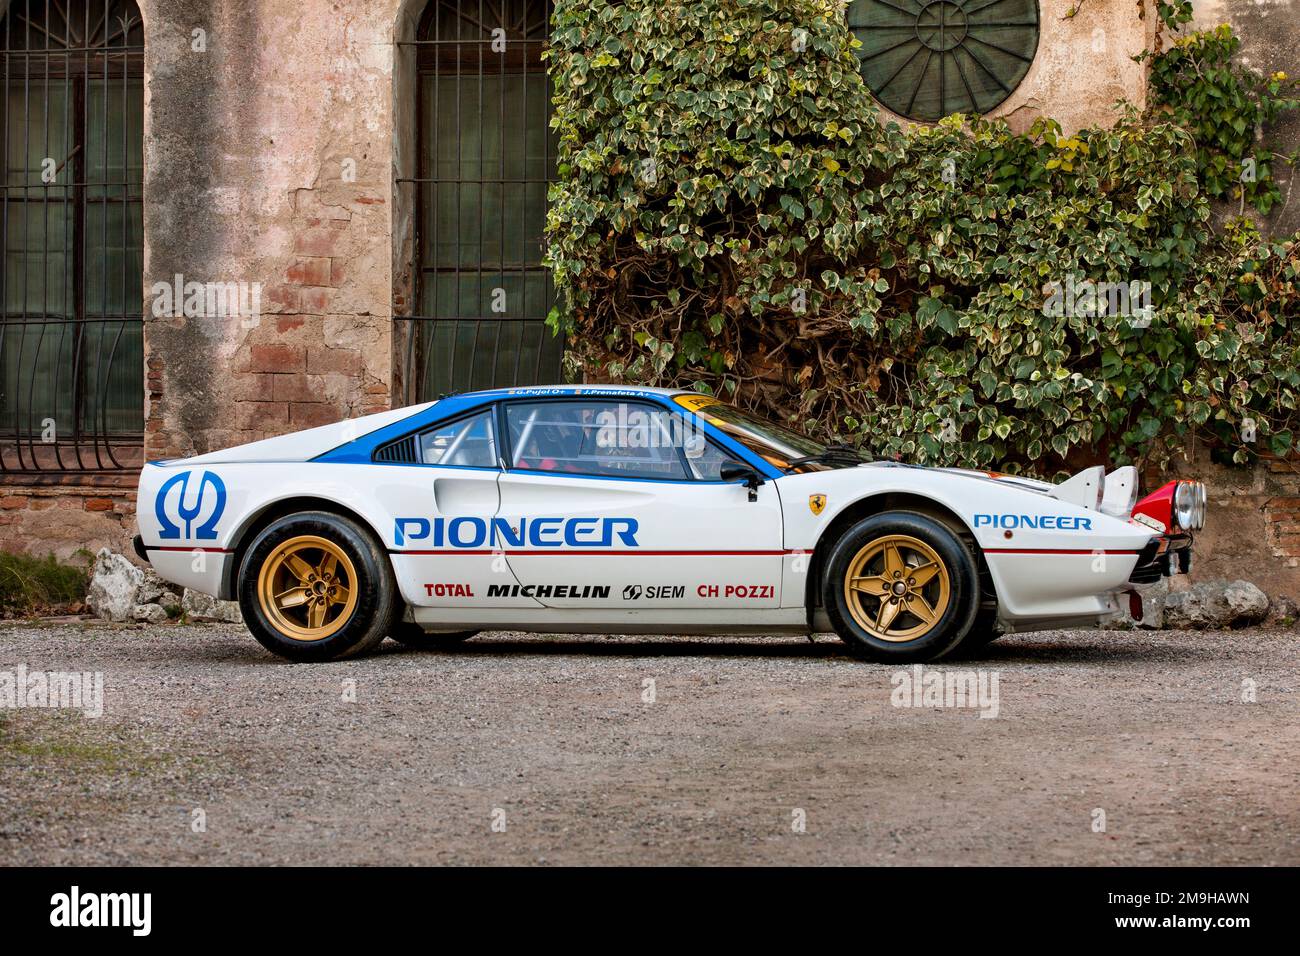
(733,215)
(1225,106)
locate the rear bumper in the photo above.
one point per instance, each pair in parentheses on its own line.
(207,570)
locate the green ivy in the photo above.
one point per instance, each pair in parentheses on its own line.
(1247,376)
(733,215)
(1224,105)
(1175,14)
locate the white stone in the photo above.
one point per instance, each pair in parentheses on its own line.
(204,607)
(154,590)
(1216,604)
(150,613)
(1246,604)
(1283,610)
(113,587)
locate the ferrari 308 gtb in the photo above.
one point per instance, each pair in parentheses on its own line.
(605,509)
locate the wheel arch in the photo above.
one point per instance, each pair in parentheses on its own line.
(254,523)
(880,502)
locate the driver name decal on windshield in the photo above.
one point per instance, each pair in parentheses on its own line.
(694,403)
(779,445)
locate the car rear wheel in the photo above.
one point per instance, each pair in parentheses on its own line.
(410,634)
(900,587)
(315,586)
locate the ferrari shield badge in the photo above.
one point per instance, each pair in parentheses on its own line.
(816,503)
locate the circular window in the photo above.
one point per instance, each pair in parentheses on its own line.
(924,59)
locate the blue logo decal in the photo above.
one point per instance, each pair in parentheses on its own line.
(164,507)
(1049,522)
(472,533)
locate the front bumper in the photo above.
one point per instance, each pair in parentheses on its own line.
(1163,557)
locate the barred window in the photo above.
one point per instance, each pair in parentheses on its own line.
(486,155)
(71,351)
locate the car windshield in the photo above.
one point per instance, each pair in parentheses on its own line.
(779,446)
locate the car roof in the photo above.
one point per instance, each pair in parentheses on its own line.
(526,391)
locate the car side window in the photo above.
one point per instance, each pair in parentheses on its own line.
(607,438)
(708,466)
(469,442)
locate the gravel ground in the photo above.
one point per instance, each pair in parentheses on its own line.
(522,749)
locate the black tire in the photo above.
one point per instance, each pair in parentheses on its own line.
(366,615)
(940,622)
(410,634)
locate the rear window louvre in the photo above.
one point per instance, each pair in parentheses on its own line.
(401,451)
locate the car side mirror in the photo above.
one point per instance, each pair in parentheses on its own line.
(734,471)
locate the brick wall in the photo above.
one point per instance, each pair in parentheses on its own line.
(1253,520)
(1281,508)
(61,517)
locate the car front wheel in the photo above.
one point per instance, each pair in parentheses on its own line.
(315,586)
(901,587)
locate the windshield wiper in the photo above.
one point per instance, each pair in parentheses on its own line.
(840,453)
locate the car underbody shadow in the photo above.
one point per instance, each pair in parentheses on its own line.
(1080,647)
(621,645)
(1065,647)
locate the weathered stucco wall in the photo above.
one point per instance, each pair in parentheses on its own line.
(1270,41)
(267,161)
(272,159)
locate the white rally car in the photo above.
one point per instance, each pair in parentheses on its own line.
(603,509)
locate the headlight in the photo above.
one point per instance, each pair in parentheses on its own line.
(1189,505)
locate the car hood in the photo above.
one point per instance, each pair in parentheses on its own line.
(1092,488)
(1015,481)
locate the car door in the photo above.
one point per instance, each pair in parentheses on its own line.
(605,509)
(444,507)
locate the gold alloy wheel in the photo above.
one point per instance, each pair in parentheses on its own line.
(897,588)
(307,588)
